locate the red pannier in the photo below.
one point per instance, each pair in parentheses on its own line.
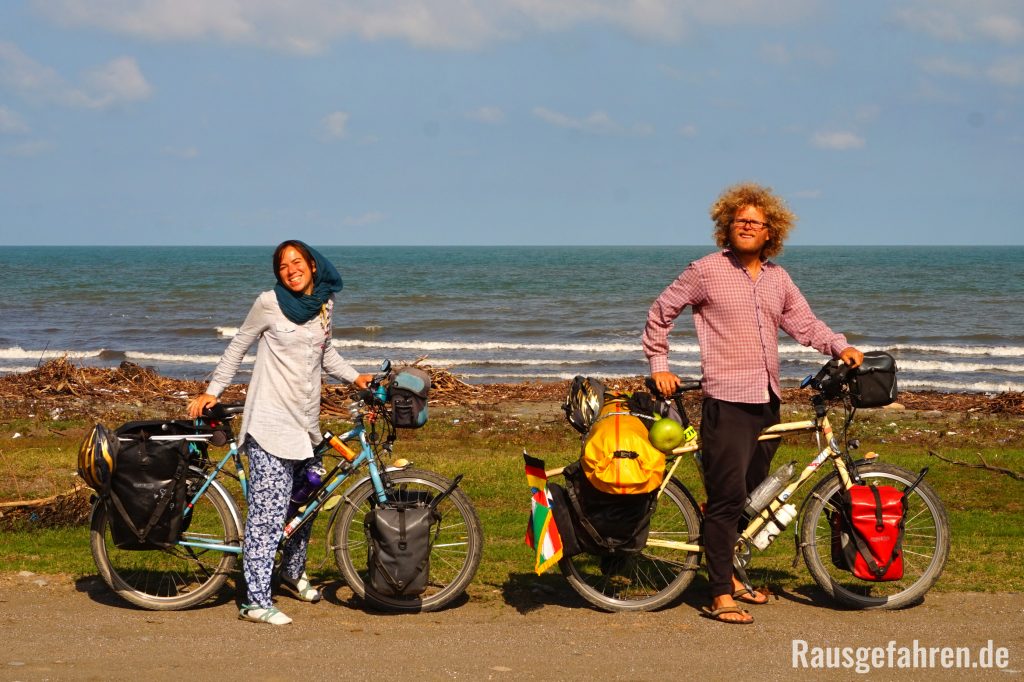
(867,531)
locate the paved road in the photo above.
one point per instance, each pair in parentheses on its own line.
(54,628)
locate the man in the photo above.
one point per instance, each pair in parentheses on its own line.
(740,301)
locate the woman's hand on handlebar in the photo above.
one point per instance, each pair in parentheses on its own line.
(851,357)
(200,404)
(667,382)
(362,381)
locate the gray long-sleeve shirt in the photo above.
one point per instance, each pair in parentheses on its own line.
(282,405)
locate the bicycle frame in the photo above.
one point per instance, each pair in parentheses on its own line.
(822,430)
(341,473)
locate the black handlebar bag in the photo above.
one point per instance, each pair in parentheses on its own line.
(873,383)
(147,491)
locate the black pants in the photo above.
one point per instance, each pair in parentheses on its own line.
(734,462)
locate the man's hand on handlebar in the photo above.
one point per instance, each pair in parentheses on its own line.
(362,381)
(667,382)
(200,404)
(851,357)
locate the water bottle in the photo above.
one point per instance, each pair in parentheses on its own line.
(769,488)
(314,477)
(331,441)
(772,529)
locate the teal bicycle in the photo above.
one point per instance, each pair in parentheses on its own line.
(196,567)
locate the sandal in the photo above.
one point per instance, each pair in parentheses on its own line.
(716,614)
(747,597)
(301,588)
(259,614)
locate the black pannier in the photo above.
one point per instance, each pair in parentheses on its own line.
(409,391)
(873,383)
(597,522)
(148,488)
(398,541)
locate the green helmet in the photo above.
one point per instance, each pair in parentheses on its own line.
(666,434)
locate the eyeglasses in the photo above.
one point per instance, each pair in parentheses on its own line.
(752,224)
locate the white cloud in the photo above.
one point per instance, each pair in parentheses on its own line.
(962,21)
(597,123)
(487,115)
(688,130)
(117,82)
(181,152)
(1007,71)
(11,123)
(369,218)
(837,140)
(1005,29)
(335,125)
(310,26)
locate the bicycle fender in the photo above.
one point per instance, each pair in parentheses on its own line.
(232,507)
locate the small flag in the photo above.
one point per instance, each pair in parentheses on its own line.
(541,531)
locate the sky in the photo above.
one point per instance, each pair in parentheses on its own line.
(438,122)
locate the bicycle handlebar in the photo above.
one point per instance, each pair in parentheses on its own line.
(683,387)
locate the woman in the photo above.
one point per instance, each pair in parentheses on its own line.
(292,323)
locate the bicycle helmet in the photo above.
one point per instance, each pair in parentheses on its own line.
(666,434)
(583,402)
(97,457)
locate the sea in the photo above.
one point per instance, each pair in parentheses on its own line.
(950,315)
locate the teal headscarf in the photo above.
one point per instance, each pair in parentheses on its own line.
(299,307)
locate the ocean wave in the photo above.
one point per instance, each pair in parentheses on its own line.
(18,353)
(993,351)
(181,359)
(502,345)
(17,369)
(963,387)
(958,367)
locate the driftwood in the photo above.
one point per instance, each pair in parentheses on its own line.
(69,508)
(984,465)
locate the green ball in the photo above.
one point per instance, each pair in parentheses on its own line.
(666,435)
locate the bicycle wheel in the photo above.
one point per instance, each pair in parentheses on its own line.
(454,555)
(177,577)
(925,543)
(649,579)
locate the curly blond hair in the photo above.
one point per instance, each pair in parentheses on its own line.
(778,216)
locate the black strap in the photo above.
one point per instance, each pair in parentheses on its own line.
(862,546)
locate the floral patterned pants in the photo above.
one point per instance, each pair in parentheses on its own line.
(272,481)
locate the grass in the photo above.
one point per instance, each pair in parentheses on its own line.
(984,508)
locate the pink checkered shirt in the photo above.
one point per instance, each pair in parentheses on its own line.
(738,323)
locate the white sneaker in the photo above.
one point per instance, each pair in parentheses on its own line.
(258,614)
(301,588)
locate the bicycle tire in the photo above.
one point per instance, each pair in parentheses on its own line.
(454,555)
(177,577)
(650,579)
(925,543)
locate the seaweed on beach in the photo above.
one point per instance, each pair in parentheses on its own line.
(131,389)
